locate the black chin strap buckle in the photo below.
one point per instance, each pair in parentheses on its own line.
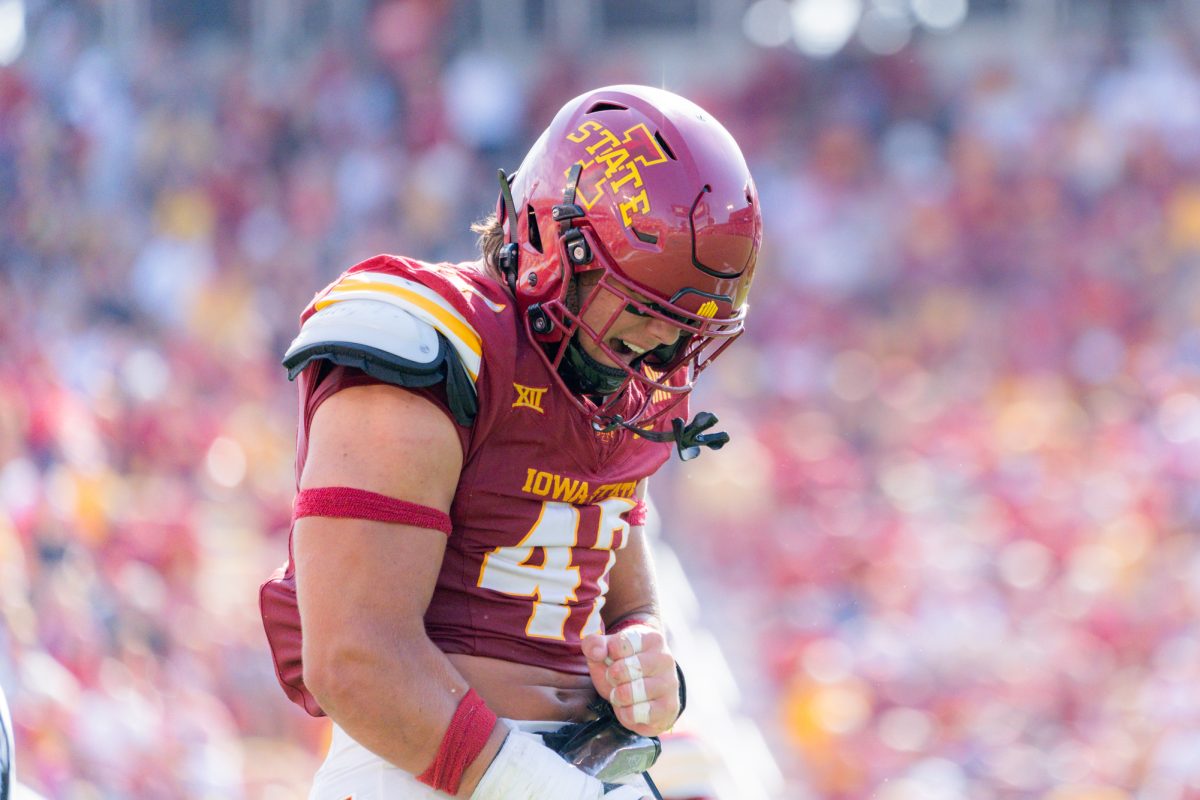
(506,260)
(568,210)
(577,247)
(688,438)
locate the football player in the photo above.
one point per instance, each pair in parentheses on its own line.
(467,563)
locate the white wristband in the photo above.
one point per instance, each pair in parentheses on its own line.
(525,769)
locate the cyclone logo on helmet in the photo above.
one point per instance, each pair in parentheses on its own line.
(617,162)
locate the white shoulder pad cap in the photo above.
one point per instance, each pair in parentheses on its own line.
(372,324)
(391,344)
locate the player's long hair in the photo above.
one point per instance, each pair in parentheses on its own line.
(491,238)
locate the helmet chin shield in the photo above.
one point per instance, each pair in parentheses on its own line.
(645,190)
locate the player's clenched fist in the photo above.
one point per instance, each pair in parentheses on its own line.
(634,670)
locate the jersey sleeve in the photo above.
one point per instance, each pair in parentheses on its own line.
(331,379)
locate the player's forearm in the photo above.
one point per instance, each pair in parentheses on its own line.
(397,700)
(632,581)
(405,721)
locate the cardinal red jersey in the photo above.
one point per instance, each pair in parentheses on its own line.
(543,502)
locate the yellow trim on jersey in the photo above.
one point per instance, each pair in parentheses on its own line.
(421,301)
(427,300)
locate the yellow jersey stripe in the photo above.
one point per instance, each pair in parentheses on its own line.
(426,305)
(424,297)
(446,323)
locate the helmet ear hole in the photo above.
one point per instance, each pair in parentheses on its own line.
(535,234)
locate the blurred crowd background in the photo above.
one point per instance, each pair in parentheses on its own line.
(953,550)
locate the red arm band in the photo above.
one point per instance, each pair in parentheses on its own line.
(343,501)
(637,514)
(469,730)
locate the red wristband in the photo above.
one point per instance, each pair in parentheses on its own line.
(469,730)
(344,501)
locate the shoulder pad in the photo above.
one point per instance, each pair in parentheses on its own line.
(419,300)
(389,343)
(366,324)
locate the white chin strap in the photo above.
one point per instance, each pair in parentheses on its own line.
(525,769)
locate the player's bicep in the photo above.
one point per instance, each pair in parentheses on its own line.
(362,577)
(384,439)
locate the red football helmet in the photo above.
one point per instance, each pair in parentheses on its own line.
(647,188)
